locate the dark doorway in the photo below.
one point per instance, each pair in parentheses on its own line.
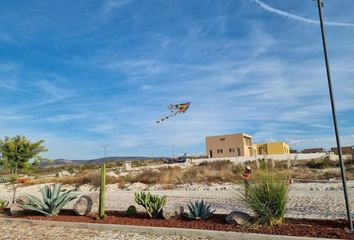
(211,153)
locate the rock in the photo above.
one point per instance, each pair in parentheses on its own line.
(239,218)
(85,188)
(63,174)
(87,204)
(173,213)
(155,170)
(112,174)
(137,186)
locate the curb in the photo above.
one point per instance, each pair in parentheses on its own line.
(193,233)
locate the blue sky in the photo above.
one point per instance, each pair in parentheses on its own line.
(83,73)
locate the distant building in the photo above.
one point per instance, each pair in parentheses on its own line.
(345,150)
(231,145)
(293,151)
(313,150)
(272,148)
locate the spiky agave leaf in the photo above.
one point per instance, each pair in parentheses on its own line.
(199,210)
(63,200)
(52,202)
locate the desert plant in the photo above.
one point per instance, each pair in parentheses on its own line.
(199,210)
(52,201)
(131,211)
(267,196)
(4,179)
(153,204)
(3,203)
(101,206)
(320,163)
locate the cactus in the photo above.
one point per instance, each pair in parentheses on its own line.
(131,211)
(101,206)
(153,204)
(199,210)
(52,201)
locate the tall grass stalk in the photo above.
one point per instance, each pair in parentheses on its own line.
(267,196)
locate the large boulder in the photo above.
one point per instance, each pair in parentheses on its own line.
(87,205)
(176,213)
(239,218)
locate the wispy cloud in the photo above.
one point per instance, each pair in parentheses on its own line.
(111,4)
(288,15)
(53,92)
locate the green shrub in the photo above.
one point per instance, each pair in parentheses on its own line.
(199,210)
(267,196)
(153,204)
(328,175)
(52,201)
(320,163)
(131,211)
(3,203)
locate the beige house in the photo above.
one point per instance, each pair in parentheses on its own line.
(232,145)
(272,148)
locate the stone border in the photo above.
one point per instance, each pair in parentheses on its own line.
(194,233)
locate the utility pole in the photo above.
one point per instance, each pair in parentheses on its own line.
(331,95)
(173,151)
(105,149)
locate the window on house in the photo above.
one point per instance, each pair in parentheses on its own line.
(238,152)
(231,150)
(222,139)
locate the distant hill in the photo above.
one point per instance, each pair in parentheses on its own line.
(66,162)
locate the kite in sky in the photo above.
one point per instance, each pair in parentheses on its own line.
(175,109)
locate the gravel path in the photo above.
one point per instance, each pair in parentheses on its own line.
(12,231)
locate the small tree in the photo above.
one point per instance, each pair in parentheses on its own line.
(17,151)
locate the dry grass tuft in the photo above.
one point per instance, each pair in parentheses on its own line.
(221,171)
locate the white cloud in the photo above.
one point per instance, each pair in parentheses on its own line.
(288,15)
(111,4)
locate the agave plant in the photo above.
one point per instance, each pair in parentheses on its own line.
(199,210)
(3,203)
(52,202)
(153,204)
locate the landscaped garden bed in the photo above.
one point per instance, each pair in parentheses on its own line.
(291,227)
(266,196)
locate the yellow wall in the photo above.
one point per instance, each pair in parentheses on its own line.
(272,148)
